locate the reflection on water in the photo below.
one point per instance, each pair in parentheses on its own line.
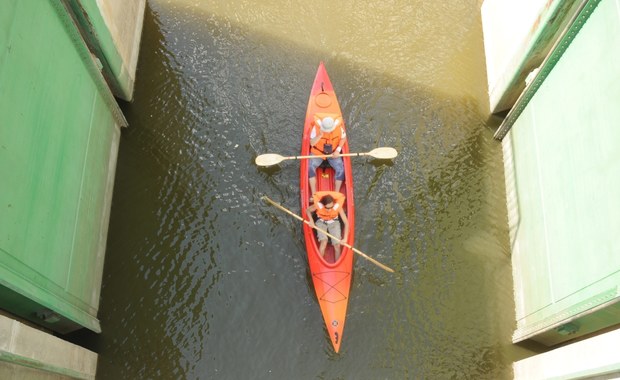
(202,280)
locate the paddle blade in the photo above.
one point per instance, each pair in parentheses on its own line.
(268,159)
(385,153)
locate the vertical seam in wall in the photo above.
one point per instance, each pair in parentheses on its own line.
(81,192)
(542,204)
(14,332)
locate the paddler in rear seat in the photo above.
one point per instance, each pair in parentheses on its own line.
(326,138)
(328,207)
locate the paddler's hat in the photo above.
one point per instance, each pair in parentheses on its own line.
(327,124)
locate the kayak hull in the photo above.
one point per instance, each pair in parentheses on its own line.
(331,280)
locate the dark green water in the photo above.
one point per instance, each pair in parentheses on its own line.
(203,281)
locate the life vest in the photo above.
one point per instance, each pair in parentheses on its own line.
(330,138)
(332,213)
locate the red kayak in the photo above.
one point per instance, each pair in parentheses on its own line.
(332,280)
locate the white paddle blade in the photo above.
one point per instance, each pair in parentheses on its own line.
(384,153)
(268,159)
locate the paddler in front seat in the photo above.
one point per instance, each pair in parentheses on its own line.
(327,137)
(328,207)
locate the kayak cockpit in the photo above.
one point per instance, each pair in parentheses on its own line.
(325,182)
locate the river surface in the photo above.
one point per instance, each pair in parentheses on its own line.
(202,280)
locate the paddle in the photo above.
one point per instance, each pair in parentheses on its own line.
(268,159)
(266,198)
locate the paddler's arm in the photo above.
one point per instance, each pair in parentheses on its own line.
(343,139)
(345,221)
(338,150)
(314,140)
(309,212)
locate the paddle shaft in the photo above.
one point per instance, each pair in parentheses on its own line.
(330,235)
(274,159)
(325,156)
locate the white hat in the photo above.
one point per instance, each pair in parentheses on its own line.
(327,124)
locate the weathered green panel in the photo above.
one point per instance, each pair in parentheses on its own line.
(59,130)
(91,232)
(567,177)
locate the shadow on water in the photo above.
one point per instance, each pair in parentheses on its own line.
(202,280)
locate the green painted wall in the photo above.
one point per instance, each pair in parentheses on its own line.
(59,134)
(563,175)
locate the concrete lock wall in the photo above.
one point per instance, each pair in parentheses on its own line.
(564,170)
(112,29)
(59,133)
(562,179)
(61,63)
(27,353)
(518,35)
